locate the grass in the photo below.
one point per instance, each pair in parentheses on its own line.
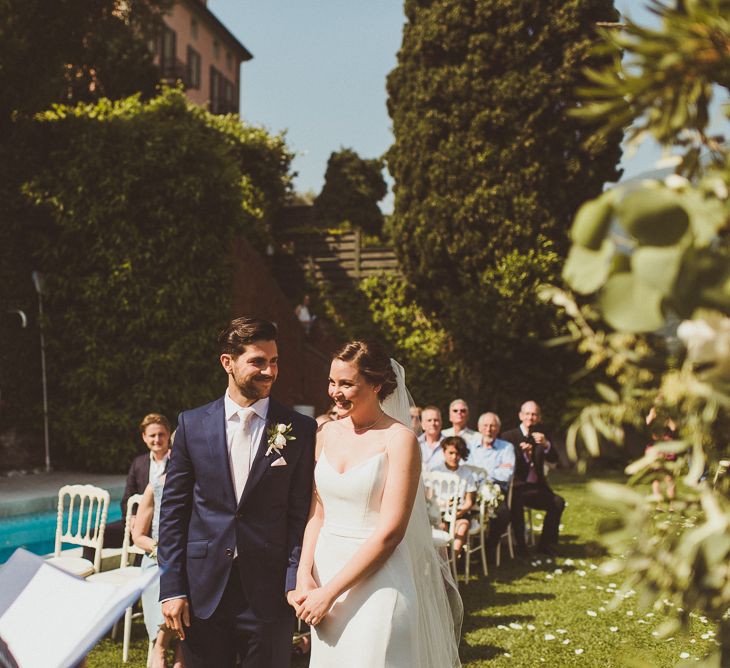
(556,612)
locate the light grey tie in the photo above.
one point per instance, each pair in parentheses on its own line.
(241,451)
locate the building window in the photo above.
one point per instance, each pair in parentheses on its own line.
(193,68)
(216,49)
(193,27)
(230,97)
(215,90)
(229,61)
(168,50)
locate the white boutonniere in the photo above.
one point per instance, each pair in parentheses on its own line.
(279,434)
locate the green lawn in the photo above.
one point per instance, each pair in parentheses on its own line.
(555,612)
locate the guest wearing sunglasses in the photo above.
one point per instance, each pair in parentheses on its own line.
(459,418)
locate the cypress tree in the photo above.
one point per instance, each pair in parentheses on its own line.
(489,170)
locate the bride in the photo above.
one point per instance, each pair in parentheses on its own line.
(369,580)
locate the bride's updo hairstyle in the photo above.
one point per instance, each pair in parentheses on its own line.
(372,362)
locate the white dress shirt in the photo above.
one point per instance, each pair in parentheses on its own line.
(157,468)
(256,426)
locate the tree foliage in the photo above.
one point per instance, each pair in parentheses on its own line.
(353,186)
(646,259)
(130,211)
(489,169)
(75,50)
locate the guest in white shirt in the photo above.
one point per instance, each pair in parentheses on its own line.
(459,417)
(430,440)
(455,450)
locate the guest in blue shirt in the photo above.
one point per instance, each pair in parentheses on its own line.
(497,458)
(430,440)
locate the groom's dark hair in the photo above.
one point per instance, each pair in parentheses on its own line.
(242,331)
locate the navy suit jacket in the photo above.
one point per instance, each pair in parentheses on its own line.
(201,521)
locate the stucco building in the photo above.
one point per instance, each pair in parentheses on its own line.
(197,49)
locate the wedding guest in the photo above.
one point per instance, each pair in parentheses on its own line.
(430,440)
(304,314)
(145,534)
(145,469)
(459,417)
(455,451)
(497,457)
(665,475)
(533,448)
(416,420)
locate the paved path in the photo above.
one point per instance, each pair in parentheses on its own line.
(38,492)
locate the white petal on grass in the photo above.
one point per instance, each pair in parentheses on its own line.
(548,576)
(566,641)
(579,651)
(515,626)
(583,587)
(684,655)
(558,571)
(530,627)
(594,567)
(591,613)
(581,573)
(563,631)
(501,627)
(549,636)
(568,562)
(629,613)
(613,629)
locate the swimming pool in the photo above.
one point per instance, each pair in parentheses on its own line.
(36,532)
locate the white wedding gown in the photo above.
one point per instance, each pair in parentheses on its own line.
(375,624)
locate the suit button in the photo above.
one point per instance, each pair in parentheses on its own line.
(229,552)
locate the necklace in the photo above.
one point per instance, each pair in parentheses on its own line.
(369,426)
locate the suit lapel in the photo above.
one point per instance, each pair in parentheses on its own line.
(214,425)
(261,462)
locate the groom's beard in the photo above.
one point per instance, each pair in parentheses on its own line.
(251,389)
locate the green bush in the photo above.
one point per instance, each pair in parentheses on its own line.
(131,214)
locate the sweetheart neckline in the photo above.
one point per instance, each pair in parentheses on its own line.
(346,471)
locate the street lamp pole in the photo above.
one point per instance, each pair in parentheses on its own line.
(40,284)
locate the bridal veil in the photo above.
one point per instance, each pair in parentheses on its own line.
(440,610)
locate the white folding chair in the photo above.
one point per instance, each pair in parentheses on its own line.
(722,467)
(447,488)
(508,531)
(476,540)
(81,522)
(124,573)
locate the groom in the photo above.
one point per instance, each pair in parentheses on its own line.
(233,512)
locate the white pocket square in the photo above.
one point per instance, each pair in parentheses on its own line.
(279,462)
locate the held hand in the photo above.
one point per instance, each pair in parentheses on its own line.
(315,606)
(539,438)
(296,596)
(177,615)
(526,448)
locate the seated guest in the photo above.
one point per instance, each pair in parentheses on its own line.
(497,457)
(455,450)
(459,417)
(430,440)
(530,488)
(415,412)
(145,469)
(145,534)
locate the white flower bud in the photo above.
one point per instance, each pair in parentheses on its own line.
(281,428)
(280,441)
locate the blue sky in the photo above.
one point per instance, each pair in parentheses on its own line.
(319,73)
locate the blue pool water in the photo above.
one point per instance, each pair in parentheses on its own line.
(36,532)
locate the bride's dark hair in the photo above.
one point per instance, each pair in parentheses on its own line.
(372,362)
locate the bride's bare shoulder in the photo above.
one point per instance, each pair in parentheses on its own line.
(399,436)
